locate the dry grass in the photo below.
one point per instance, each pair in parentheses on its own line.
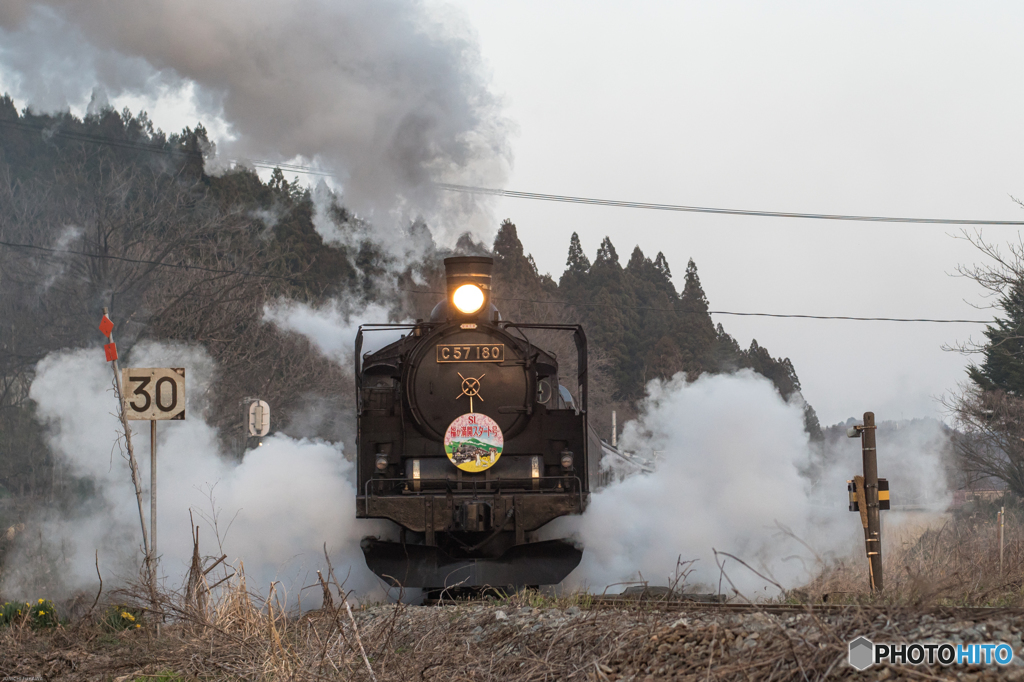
(230,633)
(947,560)
(476,641)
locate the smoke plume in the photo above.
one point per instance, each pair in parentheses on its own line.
(331,327)
(277,524)
(390,95)
(734,472)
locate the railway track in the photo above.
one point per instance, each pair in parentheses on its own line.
(706,603)
(662,604)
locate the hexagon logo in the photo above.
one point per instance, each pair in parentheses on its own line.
(862,653)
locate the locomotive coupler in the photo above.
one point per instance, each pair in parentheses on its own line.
(473,516)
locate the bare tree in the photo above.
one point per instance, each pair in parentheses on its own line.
(989,439)
(989,409)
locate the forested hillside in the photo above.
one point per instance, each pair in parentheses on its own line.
(109,212)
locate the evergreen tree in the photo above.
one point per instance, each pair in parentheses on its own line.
(637,261)
(606,254)
(661,265)
(1003,367)
(693,298)
(577,263)
(507,247)
(516,277)
(728,354)
(696,332)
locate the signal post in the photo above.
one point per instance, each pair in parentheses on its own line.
(865,497)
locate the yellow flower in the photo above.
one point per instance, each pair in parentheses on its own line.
(42,613)
(137,625)
(41,601)
(125,614)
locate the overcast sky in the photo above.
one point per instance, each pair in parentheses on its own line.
(905,109)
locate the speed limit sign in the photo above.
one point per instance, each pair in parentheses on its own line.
(154,393)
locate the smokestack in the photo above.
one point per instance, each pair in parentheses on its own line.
(468,286)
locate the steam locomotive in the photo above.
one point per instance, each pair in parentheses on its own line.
(467,440)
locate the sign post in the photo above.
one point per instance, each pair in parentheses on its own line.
(107,329)
(155,394)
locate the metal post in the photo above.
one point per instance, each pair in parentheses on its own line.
(152,490)
(152,508)
(1002,523)
(873,532)
(615,433)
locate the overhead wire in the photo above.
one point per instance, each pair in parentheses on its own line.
(97,139)
(721,211)
(536,196)
(297,280)
(181,266)
(725,312)
(519,195)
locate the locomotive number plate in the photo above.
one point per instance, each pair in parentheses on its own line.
(471,352)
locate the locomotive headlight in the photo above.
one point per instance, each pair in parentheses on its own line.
(566,459)
(468,298)
(382,462)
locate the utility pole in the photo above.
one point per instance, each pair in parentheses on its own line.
(869,495)
(873,531)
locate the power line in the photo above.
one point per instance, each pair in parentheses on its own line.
(289,167)
(512,194)
(721,211)
(537,196)
(98,139)
(180,266)
(725,312)
(248,273)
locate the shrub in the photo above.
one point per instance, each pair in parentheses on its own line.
(41,614)
(120,617)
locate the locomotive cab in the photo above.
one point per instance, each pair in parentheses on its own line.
(467,441)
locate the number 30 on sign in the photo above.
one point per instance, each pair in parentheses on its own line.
(154,393)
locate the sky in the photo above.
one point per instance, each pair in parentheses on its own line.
(876,108)
(872,108)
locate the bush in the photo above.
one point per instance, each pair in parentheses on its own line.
(120,617)
(41,614)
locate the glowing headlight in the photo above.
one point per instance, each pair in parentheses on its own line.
(468,298)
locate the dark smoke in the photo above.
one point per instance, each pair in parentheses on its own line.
(388,94)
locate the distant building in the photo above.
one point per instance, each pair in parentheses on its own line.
(962,497)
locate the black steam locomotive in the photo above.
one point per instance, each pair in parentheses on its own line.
(468,442)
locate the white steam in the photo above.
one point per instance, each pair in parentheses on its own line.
(731,460)
(390,95)
(331,327)
(276,508)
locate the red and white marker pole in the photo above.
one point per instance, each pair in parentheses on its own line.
(107,328)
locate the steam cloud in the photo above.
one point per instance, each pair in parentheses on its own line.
(331,328)
(388,94)
(277,524)
(732,463)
